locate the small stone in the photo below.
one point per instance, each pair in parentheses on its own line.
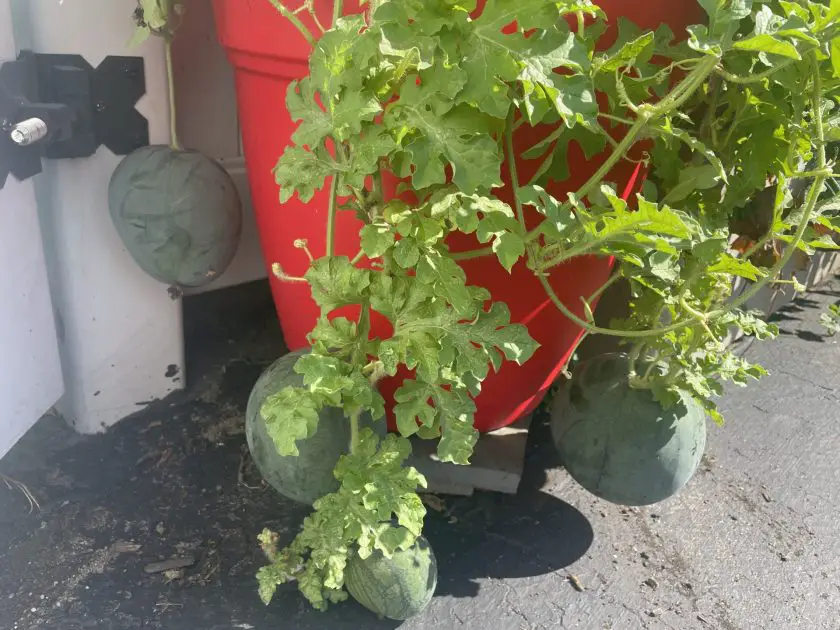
(160,529)
(652,583)
(733,517)
(766,497)
(644,555)
(783,557)
(650,613)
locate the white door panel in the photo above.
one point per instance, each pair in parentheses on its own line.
(30,370)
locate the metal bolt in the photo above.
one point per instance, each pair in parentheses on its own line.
(28,132)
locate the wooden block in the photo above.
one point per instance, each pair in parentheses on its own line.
(497,463)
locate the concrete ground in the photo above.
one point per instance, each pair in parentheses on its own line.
(752,543)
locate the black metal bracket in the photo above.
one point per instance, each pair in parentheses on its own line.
(82,107)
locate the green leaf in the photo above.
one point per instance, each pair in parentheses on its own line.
(155,15)
(343,117)
(376,239)
(413,408)
(366,152)
(290,415)
(737,267)
(693,178)
(641,47)
(141,34)
(702,41)
(406,252)
(434,133)
(334,334)
(335,282)
(448,279)
(647,218)
(768,44)
(302,172)
(269,578)
(560,220)
(342,55)
(458,436)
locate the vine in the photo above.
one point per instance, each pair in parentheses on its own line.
(434,93)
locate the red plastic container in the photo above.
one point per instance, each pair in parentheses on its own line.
(267,53)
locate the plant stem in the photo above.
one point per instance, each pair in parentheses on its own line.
(755,78)
(686,88)
(338,10)
(173,111)
(618,119)
(636,334)
(622,148)
(473,253)
(295,20)
(598,293)
(278,272)
(331,212)
(514,177)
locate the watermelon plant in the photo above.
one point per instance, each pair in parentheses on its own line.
(177,211)
(726,118)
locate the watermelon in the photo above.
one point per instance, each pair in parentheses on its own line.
(399,587)
(309,475)
(618,442)
(178,213)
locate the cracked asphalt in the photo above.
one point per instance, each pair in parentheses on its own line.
(753,542)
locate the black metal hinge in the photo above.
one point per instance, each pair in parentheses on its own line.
(59,106)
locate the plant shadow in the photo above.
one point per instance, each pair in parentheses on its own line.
(495,536)
(807,335)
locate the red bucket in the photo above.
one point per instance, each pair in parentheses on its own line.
(267,53)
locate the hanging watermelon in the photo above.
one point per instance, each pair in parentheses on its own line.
(618,442)
(177,211)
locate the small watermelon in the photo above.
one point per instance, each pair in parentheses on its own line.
(399,587)
(178,214)
(309,475)
(618,442)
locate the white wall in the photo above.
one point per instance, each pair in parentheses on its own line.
(30,370)
(120,334)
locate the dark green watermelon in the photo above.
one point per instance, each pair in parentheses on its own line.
(178,214)
(309,475)
(618,442)
(399,587)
